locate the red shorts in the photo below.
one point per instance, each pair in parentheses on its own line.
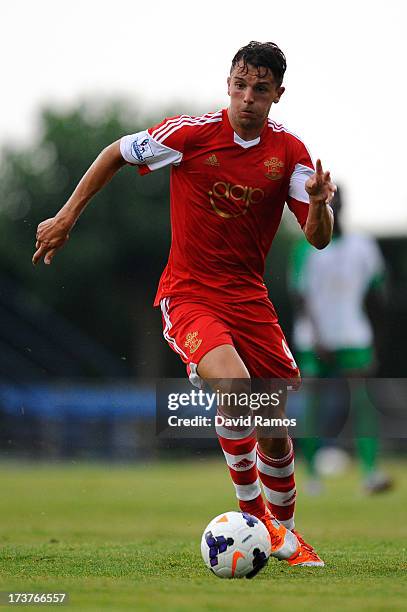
(193,329)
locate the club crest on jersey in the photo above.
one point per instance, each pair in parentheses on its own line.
(192,341)
(274,168)
(212,160)
(141,149)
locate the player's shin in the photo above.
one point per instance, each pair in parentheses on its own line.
(239,447)
(277,477)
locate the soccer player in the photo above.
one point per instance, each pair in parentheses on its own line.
(335,337)
(232,171)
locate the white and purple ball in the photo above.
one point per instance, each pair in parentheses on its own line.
(235,544)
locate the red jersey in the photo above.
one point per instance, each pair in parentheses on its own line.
(227,199)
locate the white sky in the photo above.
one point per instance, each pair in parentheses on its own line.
(346,79)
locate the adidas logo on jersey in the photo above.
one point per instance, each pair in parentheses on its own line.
(212,160)
(242,464)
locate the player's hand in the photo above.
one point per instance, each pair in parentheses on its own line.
(52,234)
(320,185)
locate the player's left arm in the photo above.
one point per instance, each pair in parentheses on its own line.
(321,190)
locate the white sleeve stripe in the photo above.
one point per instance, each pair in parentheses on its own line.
(156,133)
(170,129)
(184,123)
(177,120)
(297,183)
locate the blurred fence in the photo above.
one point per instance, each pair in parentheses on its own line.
(66,420)
(125,422)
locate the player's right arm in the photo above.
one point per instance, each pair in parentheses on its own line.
(149,150)
(53,233)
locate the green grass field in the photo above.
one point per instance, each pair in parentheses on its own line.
(128,538)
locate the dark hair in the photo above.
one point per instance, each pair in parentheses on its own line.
(262,55)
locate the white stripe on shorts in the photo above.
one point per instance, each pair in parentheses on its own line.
(165,302)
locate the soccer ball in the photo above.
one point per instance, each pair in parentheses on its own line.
(235,544)
(331,461)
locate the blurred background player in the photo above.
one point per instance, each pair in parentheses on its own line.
(338,297)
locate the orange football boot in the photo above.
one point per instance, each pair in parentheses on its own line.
(305,556)
(284,543)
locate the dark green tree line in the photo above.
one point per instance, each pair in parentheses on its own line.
(119,246)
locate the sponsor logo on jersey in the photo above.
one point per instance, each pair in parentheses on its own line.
(274,168)
(141,150)
(212,160)
(192,341)
(244,464)
(229,201)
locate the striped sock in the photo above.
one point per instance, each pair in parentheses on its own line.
(277,477)
(239,448)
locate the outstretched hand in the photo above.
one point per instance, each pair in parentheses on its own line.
(52,234)
(320,184)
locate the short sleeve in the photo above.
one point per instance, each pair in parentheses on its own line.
(303,169)
(158,146)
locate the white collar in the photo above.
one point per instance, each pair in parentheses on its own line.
(246,144)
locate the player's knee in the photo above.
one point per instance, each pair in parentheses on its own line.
(223,363)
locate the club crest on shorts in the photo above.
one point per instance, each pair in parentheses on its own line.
(192,342)
(274,168)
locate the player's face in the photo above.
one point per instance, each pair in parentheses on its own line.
(252,92)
